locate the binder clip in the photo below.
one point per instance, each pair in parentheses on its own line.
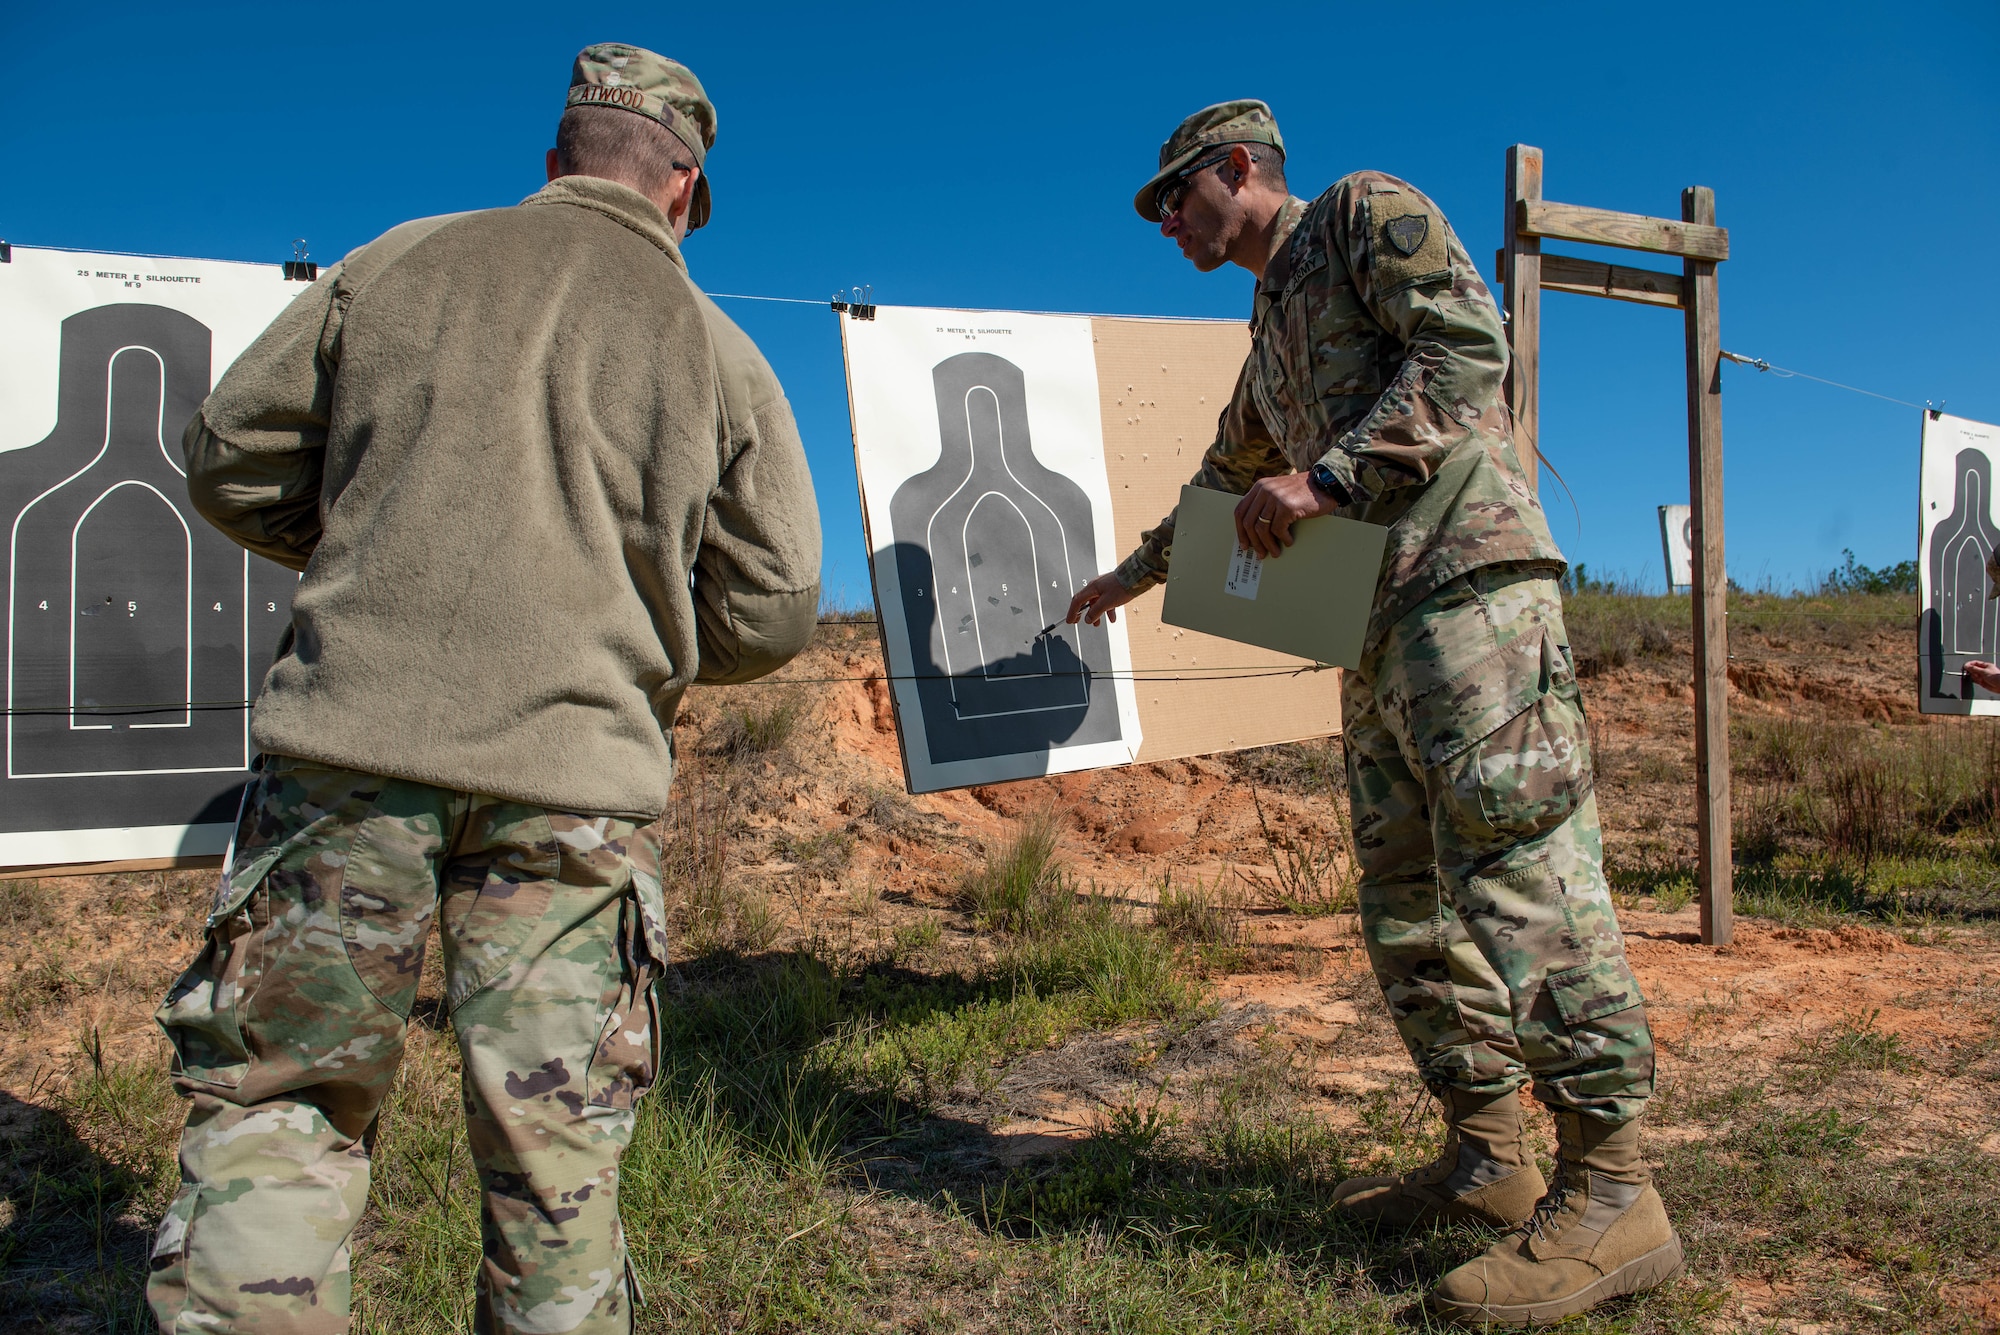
(299,269)
(855,302)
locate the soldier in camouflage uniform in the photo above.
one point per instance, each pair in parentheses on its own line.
(537,484)
(1373,389)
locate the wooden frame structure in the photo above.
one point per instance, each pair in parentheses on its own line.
(1524,271)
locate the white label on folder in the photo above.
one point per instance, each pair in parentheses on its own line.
(1246,568)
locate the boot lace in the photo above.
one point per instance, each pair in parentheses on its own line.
(1424,1095)
(1550,1205)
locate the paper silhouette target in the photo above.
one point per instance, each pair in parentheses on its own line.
(135,631)
(989,546)
(1960,619)
(982,468)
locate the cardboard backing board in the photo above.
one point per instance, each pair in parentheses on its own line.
(1958,537)
(1163,385)
(1159,388)
(135,632)
(1313,600)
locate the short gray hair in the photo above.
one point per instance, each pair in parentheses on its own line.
(619,145)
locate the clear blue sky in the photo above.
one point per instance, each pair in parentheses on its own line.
(986,156)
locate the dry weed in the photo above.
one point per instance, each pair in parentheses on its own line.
(1315,873)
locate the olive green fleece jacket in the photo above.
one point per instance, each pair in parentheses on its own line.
(537,484)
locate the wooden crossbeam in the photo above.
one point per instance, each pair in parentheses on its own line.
(1588,278)
(1632,231)
(1648,287)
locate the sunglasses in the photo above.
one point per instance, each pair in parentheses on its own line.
(1169,196)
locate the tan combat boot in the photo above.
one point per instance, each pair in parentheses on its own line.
(1601,1232)
(1484,1172)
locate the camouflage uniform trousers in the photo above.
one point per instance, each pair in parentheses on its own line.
(289,1027)
(1483,898)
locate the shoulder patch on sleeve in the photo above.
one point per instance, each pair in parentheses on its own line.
(1408,233)
(1409,242)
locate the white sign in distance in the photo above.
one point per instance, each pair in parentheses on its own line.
(1677,544)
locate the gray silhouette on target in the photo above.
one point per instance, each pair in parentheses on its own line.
(989,547)
(126,609)
(1962,623)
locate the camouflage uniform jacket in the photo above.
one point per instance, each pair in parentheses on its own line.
(1376,349)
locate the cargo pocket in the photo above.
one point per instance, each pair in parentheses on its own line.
(1522,766)
(628,1048)
(202,1014)
(1590,992)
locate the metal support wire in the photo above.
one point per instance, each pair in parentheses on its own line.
(1759,364)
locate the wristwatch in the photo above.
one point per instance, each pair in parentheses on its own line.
(1327,484)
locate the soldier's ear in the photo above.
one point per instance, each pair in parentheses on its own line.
(1240,164)
(554,164)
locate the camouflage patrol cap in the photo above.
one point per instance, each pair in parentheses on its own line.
(613,74)
(1247,121)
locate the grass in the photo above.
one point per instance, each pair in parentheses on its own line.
(1300,767)
(1612,626)
(1836,821)
(25,906)
(1867,791)
(1609,629)
(762,725)
(1899,825)
(86,1176)
(1312,870)
(822,854)
(1911,896)
(1874,1239)
(803,1166)
(1855,1044)
(1021,887)
(711,912)
(1196,913)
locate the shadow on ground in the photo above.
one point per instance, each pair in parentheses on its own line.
(1237,1171)
(76,1229)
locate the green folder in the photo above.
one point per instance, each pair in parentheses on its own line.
(1312,602)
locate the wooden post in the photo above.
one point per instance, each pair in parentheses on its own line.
(1711,586)
(1521,281)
